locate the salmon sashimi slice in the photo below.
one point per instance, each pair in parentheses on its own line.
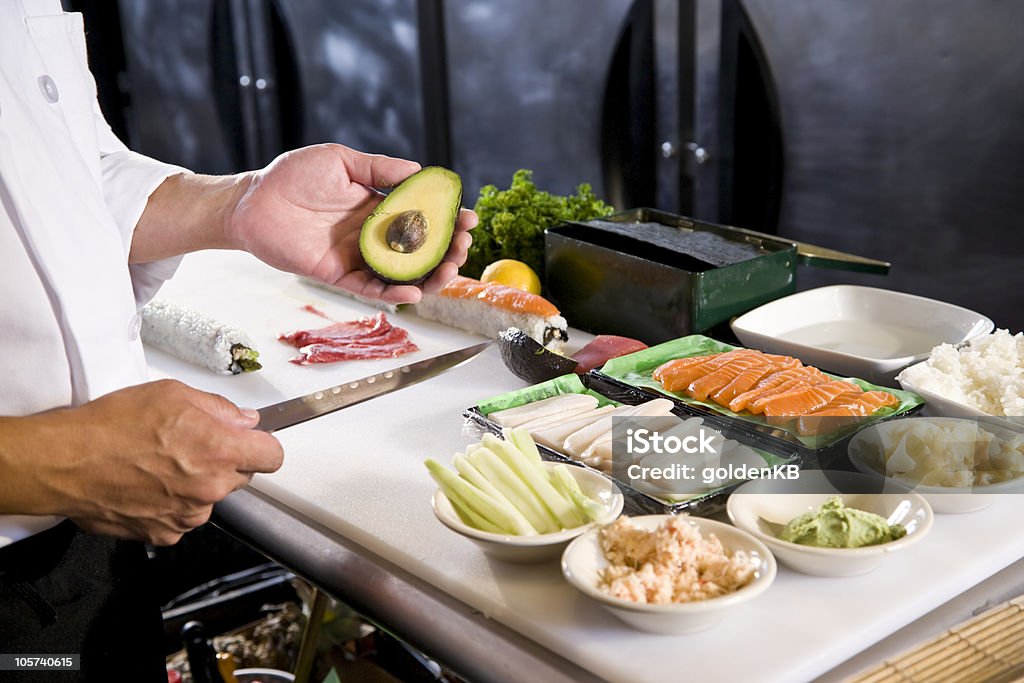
(858,403)
(782,380)
(665,370)
(679,377)
(844,410)
(803,380)
(710,383)
(749,378)
(806,400)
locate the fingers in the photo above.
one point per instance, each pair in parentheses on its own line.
(467,220)
(366,285)
(442,276)
(261,452)
(375,170)
(254,451)
(401,294)
(458,251)
(223,410)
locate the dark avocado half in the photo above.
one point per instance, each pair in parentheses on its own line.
(528,360)
(407,235)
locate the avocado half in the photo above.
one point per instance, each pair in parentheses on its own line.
(408,234)
(528,360)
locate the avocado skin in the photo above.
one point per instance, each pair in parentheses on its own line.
(383,206)
(528,360)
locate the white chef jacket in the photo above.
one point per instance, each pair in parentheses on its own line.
(70,196)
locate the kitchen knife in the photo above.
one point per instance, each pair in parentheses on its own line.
(297,410)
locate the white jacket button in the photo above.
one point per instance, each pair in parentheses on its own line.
(49,89)
(134,326)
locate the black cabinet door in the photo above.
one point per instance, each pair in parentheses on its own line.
(357,76)
(177,112)
(903,140)
(527,81)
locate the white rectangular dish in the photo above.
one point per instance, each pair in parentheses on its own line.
(860,331)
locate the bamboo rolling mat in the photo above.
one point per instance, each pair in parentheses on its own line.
(988,648)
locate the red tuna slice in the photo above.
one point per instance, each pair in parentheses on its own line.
(602,349)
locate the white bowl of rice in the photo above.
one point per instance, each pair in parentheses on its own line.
(957,465)
(669,574)
(983,377)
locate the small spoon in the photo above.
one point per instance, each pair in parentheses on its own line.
(774,527)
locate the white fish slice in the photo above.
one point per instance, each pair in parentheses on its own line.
(599,454)
(514,417)
(553,436)
(562,417)
(578,442)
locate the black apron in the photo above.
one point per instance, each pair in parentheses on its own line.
(63,591)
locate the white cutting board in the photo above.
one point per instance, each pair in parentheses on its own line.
(360,472)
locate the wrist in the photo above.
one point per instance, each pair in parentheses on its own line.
(232,196)
(188,213)
(37,459)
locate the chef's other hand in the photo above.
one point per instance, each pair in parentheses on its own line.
(303,213)
(147,462)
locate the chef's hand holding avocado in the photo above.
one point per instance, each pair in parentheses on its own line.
(303,214)
(148,462)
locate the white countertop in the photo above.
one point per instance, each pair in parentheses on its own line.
(360,472)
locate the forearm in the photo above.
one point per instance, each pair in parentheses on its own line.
(36,458)
(187,213)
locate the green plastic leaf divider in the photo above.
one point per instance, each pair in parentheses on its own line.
(566,384)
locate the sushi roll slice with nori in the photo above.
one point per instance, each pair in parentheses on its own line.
(197,338)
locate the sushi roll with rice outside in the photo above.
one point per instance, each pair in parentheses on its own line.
(489,308)
(197,338)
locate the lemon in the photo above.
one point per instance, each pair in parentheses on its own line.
(512,273)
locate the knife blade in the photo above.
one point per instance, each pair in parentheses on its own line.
(298,410)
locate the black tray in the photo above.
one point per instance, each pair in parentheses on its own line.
(639,502)
(773,440)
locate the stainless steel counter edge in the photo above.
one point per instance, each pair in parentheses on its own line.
(477,648)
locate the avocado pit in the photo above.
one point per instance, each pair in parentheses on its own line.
(407,232)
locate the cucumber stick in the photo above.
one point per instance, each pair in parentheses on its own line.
(471,474)
(518,493)
(520,437)
(569,487)
(474,520)
(472,498)
(503,487)
(536,478)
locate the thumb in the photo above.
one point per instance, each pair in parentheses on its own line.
(225,411)
(376,170)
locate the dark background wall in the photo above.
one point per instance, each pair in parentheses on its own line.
(903,140)
(888,129)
